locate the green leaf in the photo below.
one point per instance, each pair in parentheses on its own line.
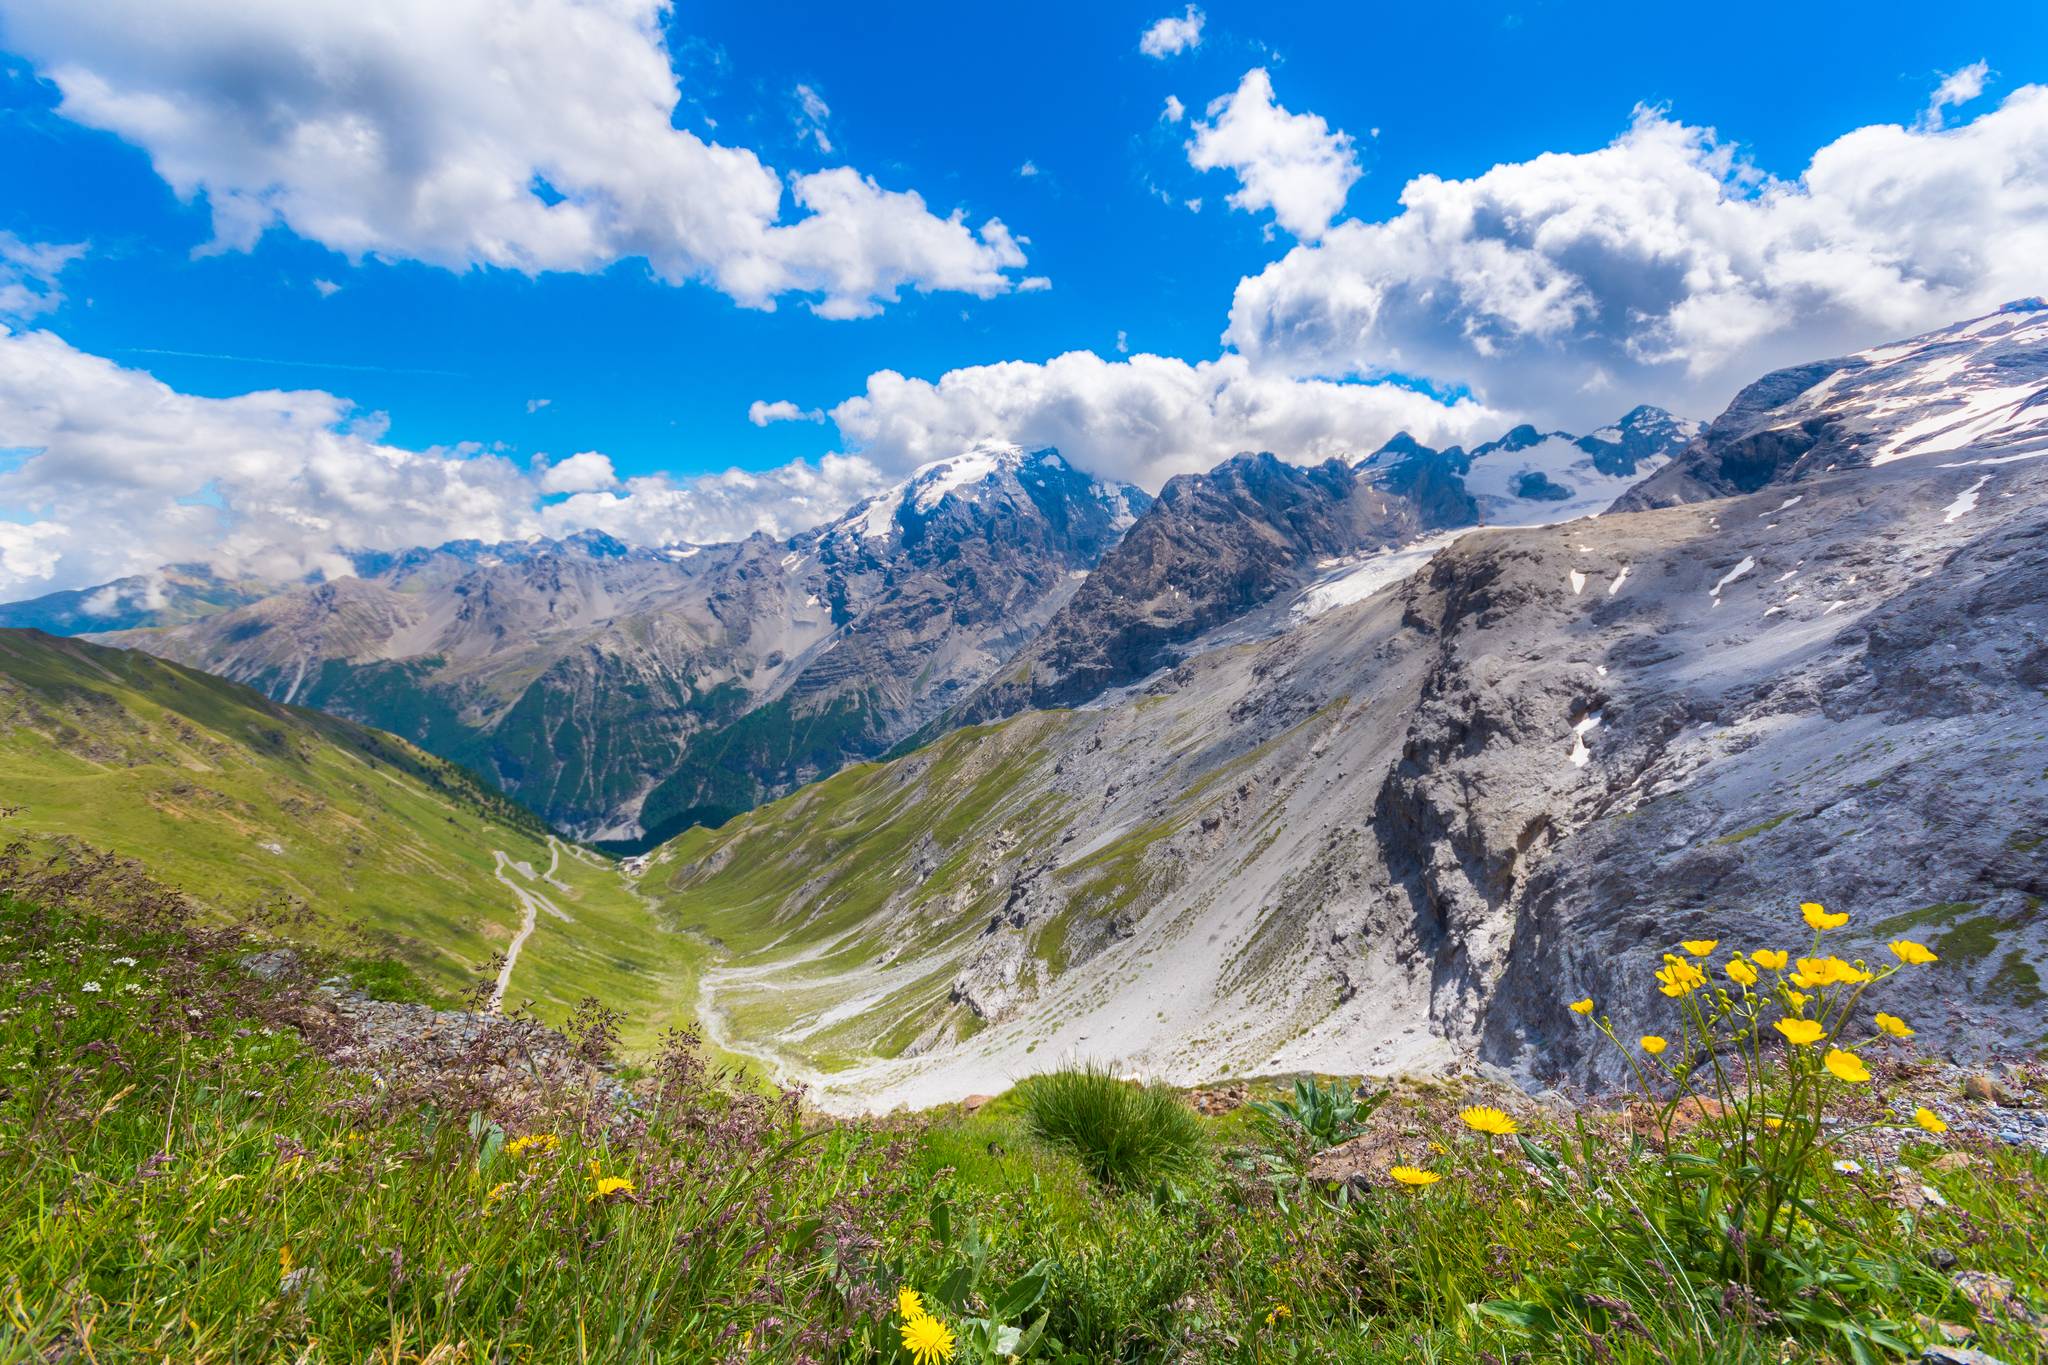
(1023,1293)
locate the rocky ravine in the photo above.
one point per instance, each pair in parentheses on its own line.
(1409,828)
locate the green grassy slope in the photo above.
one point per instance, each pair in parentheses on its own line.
(247,804)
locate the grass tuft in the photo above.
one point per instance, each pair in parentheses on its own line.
(1126,1136)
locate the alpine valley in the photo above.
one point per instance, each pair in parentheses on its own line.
(1361,766)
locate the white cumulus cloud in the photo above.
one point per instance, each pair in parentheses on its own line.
(28,275)
(463,133)
(1173,111)
(1663,267)
(781,410)
(1957,88)
(1290,163)
(1171,35)
(584,472)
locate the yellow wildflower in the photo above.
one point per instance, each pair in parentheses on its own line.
(1773,958)
(1928,1119)
(284,1259)
(1278,1312)
(1797,999)
(1741,972)
(910,1304)
(1679,977)
(1817,917)
(1845,1066)
(1582,1006)
(1828,971)
(927,1339)
(1911,953)
(1895,1026)
(1486,1119)
(532,1142)
(497,1192)
(1409,1175)
(1700,947)
(609,1185)
(1773,1122)
(1800,1032)
(1653,1045)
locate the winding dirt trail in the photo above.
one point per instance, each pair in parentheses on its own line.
(531,903)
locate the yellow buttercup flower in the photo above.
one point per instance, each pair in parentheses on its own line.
(910,1304)
(1652,1044)
(1911,953)
(1775,959)
(1895,1026)
(1679,977)
(1828,971)
(1582,1006)
(1487,1119)
(607,1186)
(1773,1122)
(1409,1175)
(1800,1032)
(1797,999)
(1700,947)
(1817,918)
(1928,1119)
(1845,1066)
(1278,1312)
(1741,972)
(927,1339)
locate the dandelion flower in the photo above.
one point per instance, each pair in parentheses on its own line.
(1653,1045)
(1845,1066)
(1700,947)
(1487,1119)
(1931,1121)
(927,1340)
(1741,972)
(1409,1175)
(532,1142)
(1817,918)
(1773,958)
(1911,953)
(1582,1006)
(1800,1032)
(1895,1026)
(1773,1122)
(910,1304)
(609,1185)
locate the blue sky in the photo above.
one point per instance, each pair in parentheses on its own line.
(955,102)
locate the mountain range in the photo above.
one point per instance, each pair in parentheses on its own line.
(624,693)
(1358,766)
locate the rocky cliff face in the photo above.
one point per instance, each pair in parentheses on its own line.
(1409,823)
(622,691)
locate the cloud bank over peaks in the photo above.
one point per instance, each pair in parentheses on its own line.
(1662,268)
(1142,418)
(113,472)
(464,133)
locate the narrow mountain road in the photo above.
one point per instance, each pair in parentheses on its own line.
(531,903)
